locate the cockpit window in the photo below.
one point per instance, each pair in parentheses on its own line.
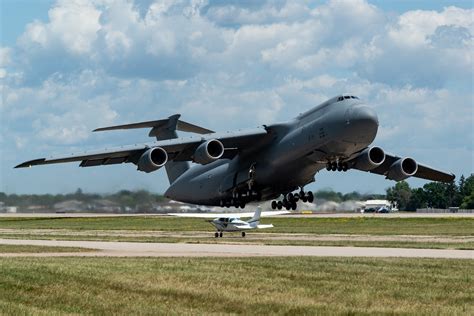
(341,98)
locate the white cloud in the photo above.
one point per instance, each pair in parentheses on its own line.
(73,23)
(228,66)
(415,27)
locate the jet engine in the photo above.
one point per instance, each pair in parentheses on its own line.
(208,152)
(402,168)
(152,159)
(370,158)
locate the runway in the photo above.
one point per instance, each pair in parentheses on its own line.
(136,249)
(291,215)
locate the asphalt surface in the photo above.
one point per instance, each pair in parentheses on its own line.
(320,215)
(135,249)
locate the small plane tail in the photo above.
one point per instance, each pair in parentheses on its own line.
(256,217)
(162,130)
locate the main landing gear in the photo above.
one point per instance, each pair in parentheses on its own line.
(336,165)
(241,198)
(290,200)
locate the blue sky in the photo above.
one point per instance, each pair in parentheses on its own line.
(67,67)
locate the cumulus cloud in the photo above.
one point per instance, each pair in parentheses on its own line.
(232,64)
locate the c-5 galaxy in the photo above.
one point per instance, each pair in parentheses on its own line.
(235,168)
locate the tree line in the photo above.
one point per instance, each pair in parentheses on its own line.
(434,195)
(124,198)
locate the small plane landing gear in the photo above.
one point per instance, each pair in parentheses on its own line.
(243,234)
(216,235)
(220,234)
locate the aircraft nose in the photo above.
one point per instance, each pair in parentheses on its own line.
(362,124)
(364,116)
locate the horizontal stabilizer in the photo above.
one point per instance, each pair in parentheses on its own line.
(159,125)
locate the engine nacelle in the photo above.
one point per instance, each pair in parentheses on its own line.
(402,168)
(370,158)
(152,159)
(208,152)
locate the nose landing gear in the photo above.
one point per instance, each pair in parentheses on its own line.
(290,200)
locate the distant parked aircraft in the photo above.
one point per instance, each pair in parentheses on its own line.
(232,222)
(236,168)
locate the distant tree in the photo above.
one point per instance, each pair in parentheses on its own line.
(417,199)
(466,191)
(437,195)
(328,195)
(399,194)
(353,196)
(468,202)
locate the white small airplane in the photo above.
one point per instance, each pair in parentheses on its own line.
(227,222)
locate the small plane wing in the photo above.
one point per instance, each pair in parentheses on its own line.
(227,215)
(179,149)
(424,172)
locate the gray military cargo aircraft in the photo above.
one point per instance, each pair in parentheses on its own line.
(235,168)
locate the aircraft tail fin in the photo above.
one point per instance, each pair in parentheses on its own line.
(162,130)
(256,217)
(159,126)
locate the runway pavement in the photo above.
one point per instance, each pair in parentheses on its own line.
(135,249)
(319,215)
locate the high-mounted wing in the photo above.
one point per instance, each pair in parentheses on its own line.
(179,149)
(423,171)
(392,165)
(94,158)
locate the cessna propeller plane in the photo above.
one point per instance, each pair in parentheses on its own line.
(232,222)
(235,168)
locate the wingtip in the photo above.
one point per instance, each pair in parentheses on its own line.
(30,163)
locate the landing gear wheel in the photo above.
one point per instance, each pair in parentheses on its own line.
(243,234)
(310,197)
(303,196)
(328,166)
(293,206)
(279,205)
(290,197)
(344,167)
(334,166)
(220,234)
(216,235)
(242,205)
(274,205)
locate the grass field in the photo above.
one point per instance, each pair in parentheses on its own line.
(37,249)
(45,286)
(362,225)
(235,239)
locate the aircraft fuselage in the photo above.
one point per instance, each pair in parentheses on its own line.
(288,158)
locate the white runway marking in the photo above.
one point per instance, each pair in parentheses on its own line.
(132,249)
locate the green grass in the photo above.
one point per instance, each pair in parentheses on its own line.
(236,239)
(361,225)
(38,249)
(298,285)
